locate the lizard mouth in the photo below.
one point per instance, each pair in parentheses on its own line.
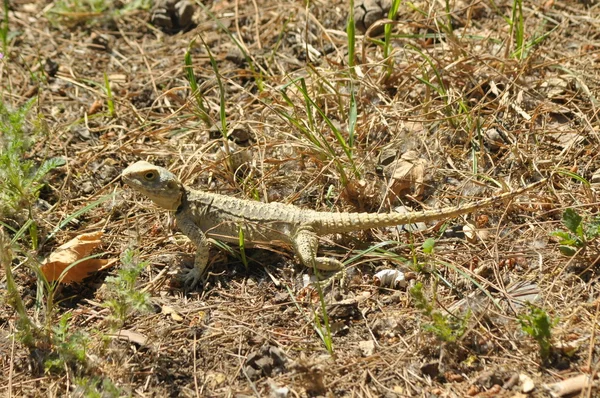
(126,180)
(169,199)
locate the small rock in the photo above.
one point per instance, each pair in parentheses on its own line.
(87,187)
(488,379)
(173,16)
(343,309)
(495,139)
(82,131)
(50,67)
(367,347)
(100,41)
(235,55)
(387,327)
(281,298)
(367,12)
(527,384)
(596,177)
(431,369)
(266,361)
(470,232)
(108,173)
(276,391)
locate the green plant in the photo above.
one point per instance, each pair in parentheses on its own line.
(96,387)
(428,246)
(308,127)
(82,11)
(222,107)
(196,92)
(538,325)
(22,181)
(517,30)
(4,28)
(446,328)
(137,5)
(26,328)
(352,118)
(255,68)
(60,348)
(110,100)
(77,11)
(579,234)
(457,110)
(321,327)
(387,33)
(242,245)
(68,348)
(351,33)
(29,328)
(124,298)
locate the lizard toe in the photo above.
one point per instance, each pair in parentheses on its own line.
(191,278)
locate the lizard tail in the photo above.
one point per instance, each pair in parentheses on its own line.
(328,223)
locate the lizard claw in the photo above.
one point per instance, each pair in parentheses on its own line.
(191,278)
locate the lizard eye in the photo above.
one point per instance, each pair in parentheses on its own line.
(149,175)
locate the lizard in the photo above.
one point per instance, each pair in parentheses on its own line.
(201,215)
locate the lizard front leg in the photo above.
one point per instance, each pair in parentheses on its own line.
(306,243)
(196,235)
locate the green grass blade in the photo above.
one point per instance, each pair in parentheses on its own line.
(4,29)
(79,212)
(242,245)
(338,135)
(258,75)
(196,93)
(352,117)
(351,33)
(222,105)
(110,101)
(387,33)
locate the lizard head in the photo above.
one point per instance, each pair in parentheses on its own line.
(157,183)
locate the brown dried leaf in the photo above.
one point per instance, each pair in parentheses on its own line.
(407,174)
(95,107)
(132,336)
(74,250)
(569,386)
(167,310)
(390,278)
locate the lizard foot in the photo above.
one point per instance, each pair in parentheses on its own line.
(191,278)
(341,276)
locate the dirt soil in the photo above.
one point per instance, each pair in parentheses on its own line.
(457,110)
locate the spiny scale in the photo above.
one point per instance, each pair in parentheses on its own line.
(348,222)
(200,214)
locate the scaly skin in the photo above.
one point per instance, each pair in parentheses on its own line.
(201,215)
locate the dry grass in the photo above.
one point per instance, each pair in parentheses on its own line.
(456,96)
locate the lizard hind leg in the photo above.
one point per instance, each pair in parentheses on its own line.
(306,243)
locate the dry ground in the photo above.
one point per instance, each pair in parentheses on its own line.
(453,93)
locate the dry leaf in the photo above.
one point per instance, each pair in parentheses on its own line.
(95,107)
(167,310)
(406,174)
(132,336)
(527,384)
(569,386)
(390,278)
(470,232)
(74,250)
